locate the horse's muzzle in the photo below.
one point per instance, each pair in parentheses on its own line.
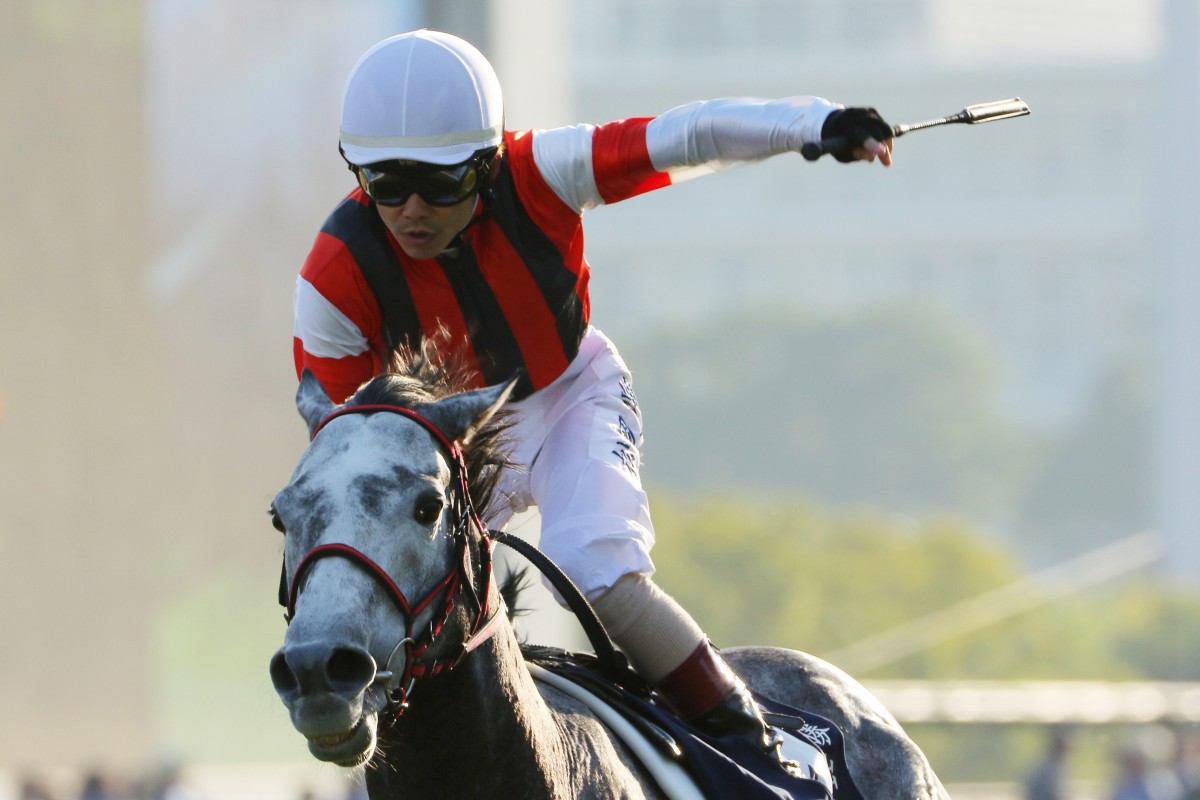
(323,688)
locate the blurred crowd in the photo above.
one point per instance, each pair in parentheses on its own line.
(1151,762)
(160,784)
(95,784)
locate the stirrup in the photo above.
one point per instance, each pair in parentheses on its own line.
(773,744)
(737,715)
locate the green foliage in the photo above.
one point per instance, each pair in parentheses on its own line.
(1158,629)
(799,575)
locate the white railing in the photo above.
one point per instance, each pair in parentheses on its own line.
(1078,702)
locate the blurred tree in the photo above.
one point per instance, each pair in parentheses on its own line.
(794,574)
(798,575)
(1157,629)
(1089,486)
(894,409)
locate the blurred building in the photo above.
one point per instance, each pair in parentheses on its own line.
(80,509)
(1012,226)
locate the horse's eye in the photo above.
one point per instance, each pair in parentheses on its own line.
(428,510)
(277,522)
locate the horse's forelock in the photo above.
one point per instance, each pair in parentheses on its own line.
(413,377)
(419,376)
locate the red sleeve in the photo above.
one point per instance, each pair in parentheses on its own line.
(341,360)
(340,377)
(621,160)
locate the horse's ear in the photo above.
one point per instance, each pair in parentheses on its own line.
(460,416)
(312,402)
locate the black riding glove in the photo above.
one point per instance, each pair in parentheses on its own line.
(852,127)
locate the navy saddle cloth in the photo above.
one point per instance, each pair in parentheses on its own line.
(722,767)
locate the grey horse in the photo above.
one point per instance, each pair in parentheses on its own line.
(399,655)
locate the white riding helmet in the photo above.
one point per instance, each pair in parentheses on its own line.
(425,96)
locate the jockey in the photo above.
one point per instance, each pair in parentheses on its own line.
(477,232)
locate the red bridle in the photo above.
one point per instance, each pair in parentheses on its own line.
(442,439)
(481,628)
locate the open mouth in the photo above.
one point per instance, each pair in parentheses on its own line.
(417,237)
(349,749)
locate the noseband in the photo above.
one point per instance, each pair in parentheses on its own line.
(398,688)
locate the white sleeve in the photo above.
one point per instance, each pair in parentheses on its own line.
(564,157)
(721,133)
(686,141)
(323,329)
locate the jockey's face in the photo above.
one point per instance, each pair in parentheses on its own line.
(425,230)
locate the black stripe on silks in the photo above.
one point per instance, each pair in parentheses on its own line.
(495,346)
(365,236)
(543,260)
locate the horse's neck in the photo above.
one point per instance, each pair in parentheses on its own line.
(481,730)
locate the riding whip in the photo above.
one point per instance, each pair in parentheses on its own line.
(971,115)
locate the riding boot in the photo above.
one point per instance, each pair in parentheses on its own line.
(707,693)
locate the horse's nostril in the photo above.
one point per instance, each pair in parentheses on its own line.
(350,669)
(282,676)
(317,667)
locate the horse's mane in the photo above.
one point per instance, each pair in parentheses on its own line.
(422,375)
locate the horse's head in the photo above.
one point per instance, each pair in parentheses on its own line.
(382,555)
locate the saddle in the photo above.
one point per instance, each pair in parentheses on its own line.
(669,747)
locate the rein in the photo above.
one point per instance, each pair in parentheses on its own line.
(399,688)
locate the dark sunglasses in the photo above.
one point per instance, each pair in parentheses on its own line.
(391,184)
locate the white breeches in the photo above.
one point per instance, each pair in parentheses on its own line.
(577,447)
